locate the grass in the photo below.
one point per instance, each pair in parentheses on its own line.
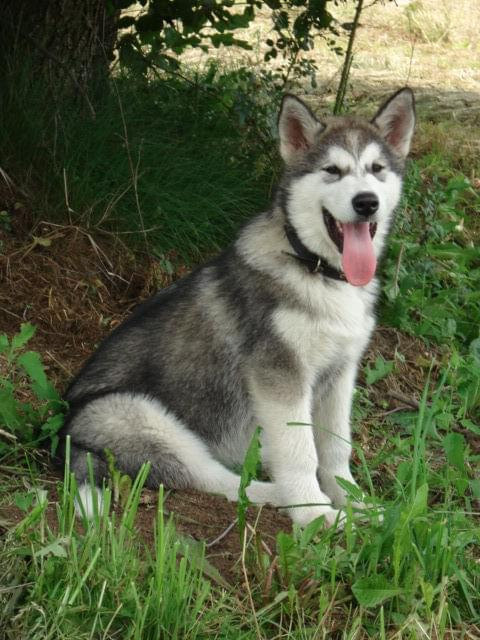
(167,162)
(439,299)
(412,572)
(101,582)
(149,160)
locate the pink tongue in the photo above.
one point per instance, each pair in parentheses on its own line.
(358,258)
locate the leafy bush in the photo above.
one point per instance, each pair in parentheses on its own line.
(30,407)
(163,29)
(433,268)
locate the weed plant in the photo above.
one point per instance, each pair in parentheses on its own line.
(433,266)
(38,417)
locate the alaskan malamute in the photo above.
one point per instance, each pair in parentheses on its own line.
(269,333)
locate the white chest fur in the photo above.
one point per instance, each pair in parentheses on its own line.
(333,327)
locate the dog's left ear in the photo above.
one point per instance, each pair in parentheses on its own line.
(396,120)
(297,128)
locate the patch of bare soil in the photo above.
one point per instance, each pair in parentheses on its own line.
(74,287)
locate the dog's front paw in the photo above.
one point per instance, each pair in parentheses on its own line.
(337,493)
(304,515)
(262,493)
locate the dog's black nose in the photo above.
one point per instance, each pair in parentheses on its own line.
(365,203)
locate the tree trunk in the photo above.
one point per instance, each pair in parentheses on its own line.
(67,43)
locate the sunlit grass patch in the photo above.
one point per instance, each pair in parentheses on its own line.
(98,578)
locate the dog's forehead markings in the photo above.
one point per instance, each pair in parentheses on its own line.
(352,140)
(340,156)
(344,158)
(370,154)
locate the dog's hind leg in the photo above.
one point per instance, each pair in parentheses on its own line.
(137,429)
(87,494)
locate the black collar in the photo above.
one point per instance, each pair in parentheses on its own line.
(313,262)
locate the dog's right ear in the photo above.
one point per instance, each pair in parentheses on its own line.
(297,128)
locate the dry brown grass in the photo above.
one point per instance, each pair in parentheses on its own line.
(431,45)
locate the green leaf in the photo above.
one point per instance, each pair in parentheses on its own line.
(129,55)
(372,591)
(475,488)
(31,363)
(55,548)
(194,551)
(27,331)
(419,504)
(475,350)
(469,424)
(380,370)
(273,4)
(404,471)
(403,533)
(24,501)
(428,593)
(353,491)
(227,39)
(311,531)
(41,242)
(52,425)
(4,343)
(454,447)
(149,22)
(125,21)
(9,410)
(250,464)
(249,472)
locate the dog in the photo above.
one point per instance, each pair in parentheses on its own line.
(269,333)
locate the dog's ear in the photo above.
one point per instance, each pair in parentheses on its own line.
(396,120)
(297,127)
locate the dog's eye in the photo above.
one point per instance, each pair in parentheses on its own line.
(376,168)
(333,170)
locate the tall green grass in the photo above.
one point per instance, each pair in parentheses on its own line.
(408,565)
(167,159)
(96,579)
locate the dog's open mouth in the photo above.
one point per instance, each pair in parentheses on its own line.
(335,228)
(354,242)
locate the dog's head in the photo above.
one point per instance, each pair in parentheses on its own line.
(344,178)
